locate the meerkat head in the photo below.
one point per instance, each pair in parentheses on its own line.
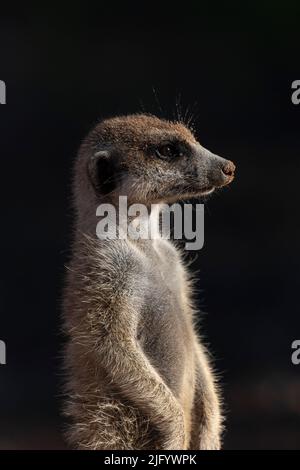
(149,160)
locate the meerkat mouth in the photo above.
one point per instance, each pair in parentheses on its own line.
(206,191)
(199,193)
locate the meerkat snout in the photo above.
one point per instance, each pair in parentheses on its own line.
(214,170)
(221,172)
(229,169)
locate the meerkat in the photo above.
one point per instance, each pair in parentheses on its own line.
(138,375)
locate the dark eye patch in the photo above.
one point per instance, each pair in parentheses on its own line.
(167,151)
(170,150)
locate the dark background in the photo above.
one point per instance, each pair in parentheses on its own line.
(233,66)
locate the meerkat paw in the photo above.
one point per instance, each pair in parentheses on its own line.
(175,437)
(174,443)
(210,441)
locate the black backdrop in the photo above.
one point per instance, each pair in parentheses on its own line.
(233,66)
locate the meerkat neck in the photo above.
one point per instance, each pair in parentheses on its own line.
(119,219)
(141,223)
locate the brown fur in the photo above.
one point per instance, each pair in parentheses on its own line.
(139,377)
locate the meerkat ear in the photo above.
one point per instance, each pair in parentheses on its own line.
(101,171)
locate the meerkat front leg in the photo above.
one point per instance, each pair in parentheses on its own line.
(206,415)
(139,383)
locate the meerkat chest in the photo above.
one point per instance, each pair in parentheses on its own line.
(165,328)
(168,268)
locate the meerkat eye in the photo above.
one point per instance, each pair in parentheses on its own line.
(167,152)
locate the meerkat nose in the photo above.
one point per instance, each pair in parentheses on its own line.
(228,168)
